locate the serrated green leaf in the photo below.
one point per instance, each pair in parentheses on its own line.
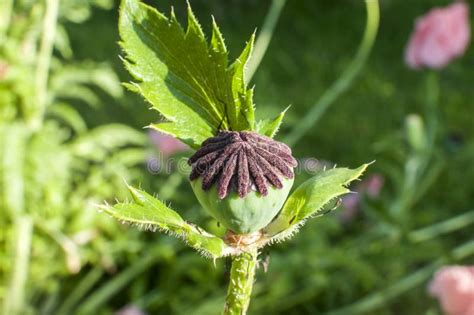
(217,44)
(310,197)
(149,212)
(183,76)
(243,105)
(268,127)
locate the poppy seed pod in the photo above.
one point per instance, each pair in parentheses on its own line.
(242,178)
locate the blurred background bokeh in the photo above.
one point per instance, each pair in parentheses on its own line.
(70,134)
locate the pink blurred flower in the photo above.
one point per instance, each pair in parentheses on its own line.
(166,144)
(351,202)
(130,310)
(373,185)
(439,36)
(350,205)
(3,69)
(454,288)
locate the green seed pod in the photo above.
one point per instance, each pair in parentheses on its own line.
(243,215)
(242,179)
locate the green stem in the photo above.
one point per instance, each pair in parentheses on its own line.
(418,177)
(14,304)
(432,101)
(345,80)
(242,275)
(264,37)
(450,225)
(44,59)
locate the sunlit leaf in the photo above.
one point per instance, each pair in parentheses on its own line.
(184,77)
(309,199)
(148,212)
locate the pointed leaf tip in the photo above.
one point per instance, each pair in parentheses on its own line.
(270,128)
(310,197)
(193,24)
(217,40)
(145,210)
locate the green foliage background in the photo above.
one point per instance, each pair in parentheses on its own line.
(328,265)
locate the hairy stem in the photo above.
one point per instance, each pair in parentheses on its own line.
(242,275)
(346,78)
(44,59)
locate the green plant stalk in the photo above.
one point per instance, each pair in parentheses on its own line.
(14,303)
(416,175)
(344,81)
(264,38)
(242,275)
(431,106)
(44,60)
(435,230)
